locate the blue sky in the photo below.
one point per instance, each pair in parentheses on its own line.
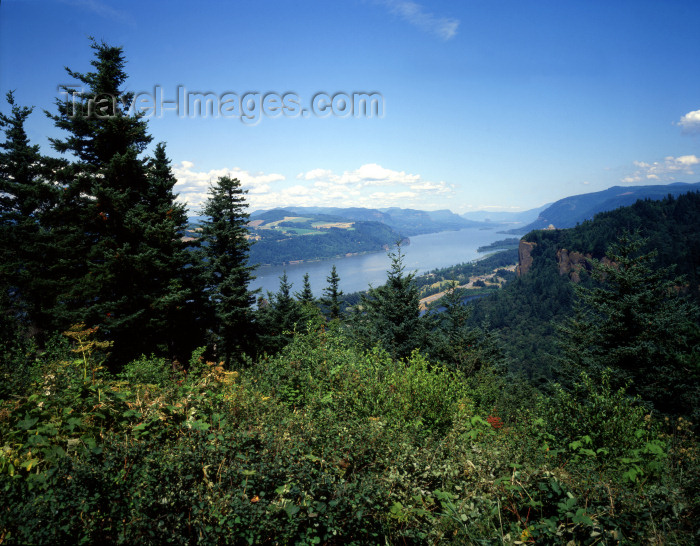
(504,105)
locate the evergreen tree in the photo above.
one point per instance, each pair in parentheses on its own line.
(390,314)
(286,310)
(635,322)
(118,214)
(96,118)
(279,317)
(176,315)
(225,246)
(331,300)
(455,343)
(25,196)
(306,296)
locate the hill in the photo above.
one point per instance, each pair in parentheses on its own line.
(294,234)
(552,261)
(415,222)
(407,222)
(287,235)
(573,210)
(522,217)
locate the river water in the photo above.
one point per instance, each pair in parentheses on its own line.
(424,253)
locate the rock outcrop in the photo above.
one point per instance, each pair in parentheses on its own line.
(524,257)
(571,263)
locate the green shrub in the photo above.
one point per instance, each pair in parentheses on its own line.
(328,444)
(610,418)
(148,371)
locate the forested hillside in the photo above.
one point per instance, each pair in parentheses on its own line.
(148,396)
(299,234)
(576,209)
(405,221)
(527,311)
(282,236)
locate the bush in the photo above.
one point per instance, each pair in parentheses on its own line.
(147,371)
(609,418)
(328,444)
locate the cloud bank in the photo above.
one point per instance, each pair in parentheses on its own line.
(663,171)
(370,185)
(690,122)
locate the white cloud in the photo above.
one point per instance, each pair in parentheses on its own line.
(315,174)
(690,122)
(372,174)
(663,171)
(413,13)
(192,186)
(440,187)
(370,185)
(685,161)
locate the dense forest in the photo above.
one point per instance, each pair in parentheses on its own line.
(299,240)
(408,222)
(527,311)
(147,395)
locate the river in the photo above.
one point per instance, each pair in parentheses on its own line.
(424,253)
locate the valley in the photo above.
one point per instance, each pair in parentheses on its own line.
(339,320)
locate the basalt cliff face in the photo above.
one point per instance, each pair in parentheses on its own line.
(569,263)
(524,257)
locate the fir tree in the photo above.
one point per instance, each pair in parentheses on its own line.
(26,194)
(331,300)
(635,322)
(390,314)
(118,213)
(279,317)
(175,317)
(225,249)
(96,117)
(306,296)
(286,310)
(457,344)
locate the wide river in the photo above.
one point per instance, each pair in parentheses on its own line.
(424,253)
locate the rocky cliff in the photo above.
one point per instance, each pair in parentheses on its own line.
(524,257)
(569,262)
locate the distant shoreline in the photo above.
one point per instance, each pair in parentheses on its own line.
(386,248)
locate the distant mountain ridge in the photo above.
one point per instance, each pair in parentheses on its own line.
(407,222)
(500,217)
(295,234)
(551,261)
(575,209)
(565,213)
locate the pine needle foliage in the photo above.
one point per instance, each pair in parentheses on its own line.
(227,273)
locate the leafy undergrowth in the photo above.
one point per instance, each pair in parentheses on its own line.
(325,444)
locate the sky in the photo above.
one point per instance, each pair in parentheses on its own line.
(476,104)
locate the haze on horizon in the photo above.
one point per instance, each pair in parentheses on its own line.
(497,106)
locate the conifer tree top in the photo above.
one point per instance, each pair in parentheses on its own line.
(96,116)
